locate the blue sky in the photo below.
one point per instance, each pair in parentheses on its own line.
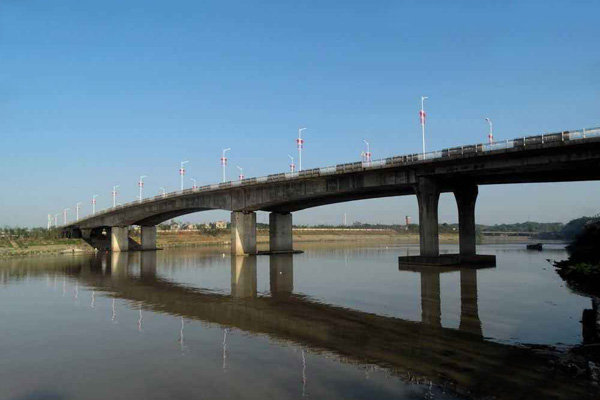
(96,94)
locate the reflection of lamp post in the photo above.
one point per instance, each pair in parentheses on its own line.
(300,143)
(182,172)
(422,118)
(141,185)
(224,162)
(491,134)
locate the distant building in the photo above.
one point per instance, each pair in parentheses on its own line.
(221,225)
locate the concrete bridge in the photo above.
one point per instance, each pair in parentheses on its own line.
(555,157)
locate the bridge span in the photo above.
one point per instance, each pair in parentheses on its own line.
(556,157)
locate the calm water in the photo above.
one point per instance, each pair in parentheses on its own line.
(332,323)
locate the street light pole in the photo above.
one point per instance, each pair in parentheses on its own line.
(94,203)
(491,134)
(77,206)
(292,165)
(300,143)
(65,215)
(224,162)
(422,116)
(193,180)
(182,172)
(368,153)
(241,173)
(141,185)
(55,220)
(164,192)
(49,221)
(114,195)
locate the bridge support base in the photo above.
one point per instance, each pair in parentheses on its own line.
(280,233)
(243,233)
(148,237)
(119,238)
(428,196)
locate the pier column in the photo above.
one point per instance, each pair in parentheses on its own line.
(466,197)
(281,275)
(119,238)
(243,233)
(148,237)
(469,310)
(280,232)
(431,304)
(243,277)
(428,196)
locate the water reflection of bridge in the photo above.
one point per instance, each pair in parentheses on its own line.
(461,359)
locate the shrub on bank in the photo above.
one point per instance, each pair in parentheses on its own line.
(582,269)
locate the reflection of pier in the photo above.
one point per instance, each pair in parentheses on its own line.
(460,358)
(431,307)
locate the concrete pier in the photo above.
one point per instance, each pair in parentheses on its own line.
(280,232)
(243,233)
(243,277)
(281,275)
(466,196)
(428,196)
(119,238)
(148,237)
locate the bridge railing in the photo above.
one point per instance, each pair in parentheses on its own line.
(468,150)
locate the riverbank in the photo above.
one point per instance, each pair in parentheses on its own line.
(166,240)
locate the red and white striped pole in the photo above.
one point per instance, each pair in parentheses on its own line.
(141,185)
(182,172)
(491,134)
(367,154)
(224,162)
(114,195)
(422,117)
(300,144)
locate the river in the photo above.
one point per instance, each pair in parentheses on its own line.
(336,322)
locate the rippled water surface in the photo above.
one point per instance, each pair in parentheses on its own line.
(337,322)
